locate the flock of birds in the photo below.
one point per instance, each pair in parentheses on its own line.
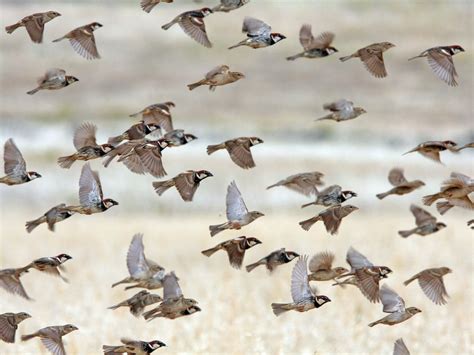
(140,149)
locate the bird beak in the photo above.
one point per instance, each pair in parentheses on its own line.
(210,174)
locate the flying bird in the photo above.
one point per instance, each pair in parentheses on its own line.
(137,131)
(229,5)
(304,183)
(218,76)
(53,79)
(9,325)
(238,149)
(331,217)
(426,223)
(401,185)
(186,183)
(235,249)
(83,41)
(342,110)
(318,47)
(51,265)
(148,5)
(159,114)
(320,267)
(10,281)
(34,24)
(372,57)
(178,137)
(138,302)
(331,196)
(52,337)
(432,149)
(259,34)
(133,347)
(432,283)
(273,260)
(14,166)
(51,217)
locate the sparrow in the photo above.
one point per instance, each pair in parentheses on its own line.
(91,197)
(440,60)
(321,268)
(401,185)
(10,281)
(432,149)
(186,183)
(465,146)
(342,110)
(159,114)
(426,224)
(304,183)
(51,217)
(177,137)
(432,284)
(318,47)
(239,150)
(229,5)
(235,249)
(331,217)
(304,298)
(331,196)
(9,324)
(192,23)
(137,131)
(141,269)
(399,348)
(52,337)
(83,41)
(148,5)
(372,57)
(218,76)
(14,166)
(34,24)
(86,146)
(274,259)
(364,275)
(395,306)
(51,265)
(138,302)
(259,34)
(53,79)
(455,191)
(136,347)
(174,303)
(237,213)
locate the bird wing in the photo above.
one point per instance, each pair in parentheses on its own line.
(221,69)
(443,66)
(15,165)
(152,161)
(303,183)
(430,154)
(255,28)
(195,28)
(83,43)
(134,164)
(324,40)
(235,205)
(13,284)
(368,284)
(240,154)
(235,253)
(171,287)
(422,217)
(300,290)
(332,218)
(373,61)
(186,186)
(156,116)
(136,261)
(460,179)
(53,342)
(84,136)
(321,261)
(433,287)
(356,260)
(391,301)
(7,328)
(399,348)
(90,189)
(306,36)
(396,178)
(340,105)
(35,28)
(54,75)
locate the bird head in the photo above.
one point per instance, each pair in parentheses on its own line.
(156,344)
(359,110)
(206,11)
(152,126)
(456,49)
(387,45)
(192,309)
(63,258)
(52,14)
(348,194)
(290,255)
(108,202)
(33,175)
(95,25)
(162,143)
(331,50)
(169,104)
(238,75)
(68,328)
(255,140)
(255,214)
(71,79)
(450,144)
(384,271)
(320,300)
(22,316)
(251,241)
(203,174)
(445,270)
(190,302)
(413,310)
(276,37)
(189,137)
(106,147)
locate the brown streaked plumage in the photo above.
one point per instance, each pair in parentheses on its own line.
(148,5)
(331,217)
(218,76)
(425,223)
(83,41)
(321,268)
(274,259)
(137,131)
(239,150)
(401,185)
(133,347)
(259,34)
(159,114)
(186,183)
(53,79)
(432,284)
(14,166)
(304,183)
(34,24)
(235,249)
(52,337)
(10,281)
(9,324)
(138,302)
(432,149)
(51,217)
(372,57)
(50,265)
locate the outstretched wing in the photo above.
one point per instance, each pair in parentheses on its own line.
(300,289)
(235,205)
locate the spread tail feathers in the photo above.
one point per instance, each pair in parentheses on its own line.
(307,224)
(12,28)
(30,225)
(217,228)
(161,186)
(211,251)
(214,148)
(382,195)
(443,207)
(405,234)
(67,161)
(196,84)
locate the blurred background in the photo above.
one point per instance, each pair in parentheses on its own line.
(278,101)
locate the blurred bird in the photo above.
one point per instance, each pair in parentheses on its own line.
(51,265)
(372,57)
(239,150)
(237,213)
(426,224)
(177,137)
(138,302)
(455,191)
(321,268)
(9,324)
(51,217)
(364,275)
(259,34)
(235,249)
(135,347)
(274,259)
(34,24)
(137,131)
(174,303)
(83,41)
(148,5)
(395,306)
(342,110)
(53,79)
(52,337)
(401,185)
(192,23)
(229,5)
(432,149)
(10,281)
(304,183)
(14,166)
(432,284)
(159,114)
(218,76)
(440,60)
(304,298)
(318,47)
(186,183)
(86,145)
(331,217)
(143,271)
(91,197)
(399,348)
(331,196)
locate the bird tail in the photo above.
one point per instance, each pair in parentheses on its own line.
(147,6)
(279,308)
(327,117)
(34,91)
(443,207)
(196,84)
(271,186)
(382,195)
(307,224)
(132,286)
(343,59)
(429,199)
(161,186)
(147,315)
(237,45)
(409,280)
(12,28)
(410,151)
(30,225)
(168,25)
(59,39)
(217,228)
(211,251)
(405,234)
(118,305)
(308,204)
(116,140)
(67,161)
(214,148)
(124,281)
(250,267)
(374,323)
(26,337)
(109,349)
(296,56)
(418,56)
